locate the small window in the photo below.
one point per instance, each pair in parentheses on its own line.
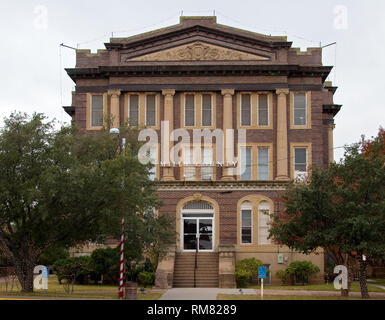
(300,159)
(134,110)
(150,110)
(206,110)
(245,163)
(246,221)
(300,118)
(263,164)
(263,223)
(207,164)
(245,110)
(97,110)
(189,111)
(188,164)
(263,110)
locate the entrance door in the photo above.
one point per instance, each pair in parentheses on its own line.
(197,231)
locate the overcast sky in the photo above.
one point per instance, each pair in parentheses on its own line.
(33,79)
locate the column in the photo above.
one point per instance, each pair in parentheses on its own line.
(115,107)
(282,144)
(227,173)
(331,127)
(168,170)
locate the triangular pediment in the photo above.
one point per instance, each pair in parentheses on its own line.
(197,51)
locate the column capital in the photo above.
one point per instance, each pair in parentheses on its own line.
(168,92)
(228,91)
(284,91)
(114,92)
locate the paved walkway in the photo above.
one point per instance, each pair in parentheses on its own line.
(211,293)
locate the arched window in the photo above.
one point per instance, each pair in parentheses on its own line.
(246,223)
(263,223)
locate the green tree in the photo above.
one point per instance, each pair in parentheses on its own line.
(52,254)
(341,209)
(62,188)
(70,269)
(105,262)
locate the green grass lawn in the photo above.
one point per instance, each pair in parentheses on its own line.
(379,281)
(355,287)
(90,291)
(267,297)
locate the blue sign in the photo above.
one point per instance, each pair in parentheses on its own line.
(45,273)
(262,272)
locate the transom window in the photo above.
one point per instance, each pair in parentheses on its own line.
(97,109)
(299,105)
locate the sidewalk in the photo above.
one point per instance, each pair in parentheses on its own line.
(211,293)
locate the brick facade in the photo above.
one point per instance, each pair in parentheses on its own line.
(147,63)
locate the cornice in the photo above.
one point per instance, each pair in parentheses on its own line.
(222,186)
(168,70)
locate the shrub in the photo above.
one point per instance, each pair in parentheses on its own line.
(146,278)
(245,269)
(284,275)
(71,269)
(242,277)
(302,270)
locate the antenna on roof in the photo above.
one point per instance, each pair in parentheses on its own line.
(214,13)
(63,45)
(181,13)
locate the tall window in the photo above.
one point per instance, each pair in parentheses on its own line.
(263,110)
(245,110)
(245,163)
(97,110)
(134,110)
(300,118)
(263,164)
(150,110)
(246,223)
(188,164)
(206,110)
(263,223)
(189,110)
(207,164)
(152,156)
(300,159)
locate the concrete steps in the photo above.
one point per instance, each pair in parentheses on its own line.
(206,273)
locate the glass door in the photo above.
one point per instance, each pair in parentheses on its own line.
(197,231)
(205,234)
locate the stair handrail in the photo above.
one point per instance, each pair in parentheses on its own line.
(196,259)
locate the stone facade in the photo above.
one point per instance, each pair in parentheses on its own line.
(199,56)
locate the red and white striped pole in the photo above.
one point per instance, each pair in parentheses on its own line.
(121,263)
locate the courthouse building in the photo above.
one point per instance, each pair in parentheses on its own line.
(199,74)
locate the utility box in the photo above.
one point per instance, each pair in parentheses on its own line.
(280,258)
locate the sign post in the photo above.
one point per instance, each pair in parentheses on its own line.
(261,275)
